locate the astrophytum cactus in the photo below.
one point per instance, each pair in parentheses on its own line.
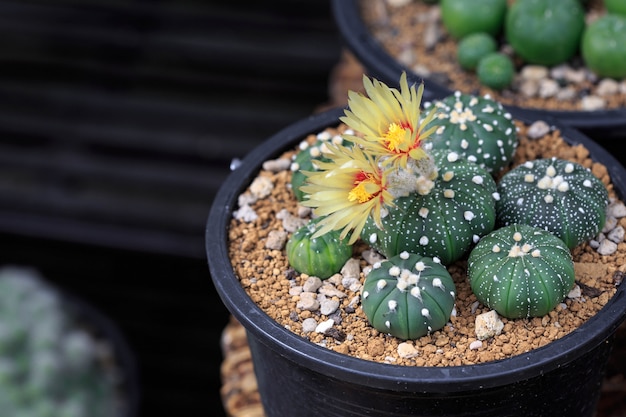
(408,296)
(520,271)
(446,221)
(556,195)
(478,128)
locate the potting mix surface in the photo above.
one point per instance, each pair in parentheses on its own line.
(328,312)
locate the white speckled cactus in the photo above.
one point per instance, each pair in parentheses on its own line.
(444,222)
(408,296)
(520,271)
(478,128)
(559,196)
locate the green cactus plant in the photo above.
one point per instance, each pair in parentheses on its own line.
(50,366)
(473,47)
(556,195)
(408,296)
(545,32)
(462,17)
(446,221)
(520,271)
(478,128)
(602,46)
(495,70)
(317,256)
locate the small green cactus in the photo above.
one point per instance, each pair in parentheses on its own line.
(602,46)
(443,223)
(556,195)
(545,32)
(520,271)
(408,296)
(478,128)
(305,160)
(473,47)
(321,256)
(495,70)
(462,17)
(50,365)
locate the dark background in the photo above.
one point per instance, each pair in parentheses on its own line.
(118,122)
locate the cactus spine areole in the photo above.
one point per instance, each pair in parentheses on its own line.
(408,296)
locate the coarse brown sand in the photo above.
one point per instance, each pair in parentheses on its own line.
(402,31)
(267,277)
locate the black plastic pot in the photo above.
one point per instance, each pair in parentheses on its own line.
(298,378)
(600,124)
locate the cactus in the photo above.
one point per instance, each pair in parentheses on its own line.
(478,128)
(602,45)
(446,221)
(520,271)
(408,296)
(49,364)
(462,17)
(321,256)
(495,70)
(545,32)
(473,47)
(559,196)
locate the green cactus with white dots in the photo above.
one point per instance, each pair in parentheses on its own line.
(445,222)
(521,271)
(478,128)
(408,296)
(559,196)
(322,256)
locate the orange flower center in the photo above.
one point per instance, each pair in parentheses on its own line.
(365,188)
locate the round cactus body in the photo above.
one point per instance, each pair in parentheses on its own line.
(478,128)
(322,256)
(446,222)
(305,160)
(556,195)
(520,271)
(408,296)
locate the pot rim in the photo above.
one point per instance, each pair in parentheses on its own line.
(383,66)
(369,373)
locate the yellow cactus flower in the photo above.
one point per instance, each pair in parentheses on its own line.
(389,121)
(347,190)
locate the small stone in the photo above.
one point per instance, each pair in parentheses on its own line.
(328,306)
(607,247)
(277,165)
(351,269)
(616,235)
(312,284)
(276,239)
(590,103)
(538,129)
(488,325)
(574,292)
(261,187)
(607,87)
(475,345)
(324,326)
(308,301)
(309,325)
(407,350)
(534,72)
(245,214)
(331,291)
(548,88)
(617,209)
